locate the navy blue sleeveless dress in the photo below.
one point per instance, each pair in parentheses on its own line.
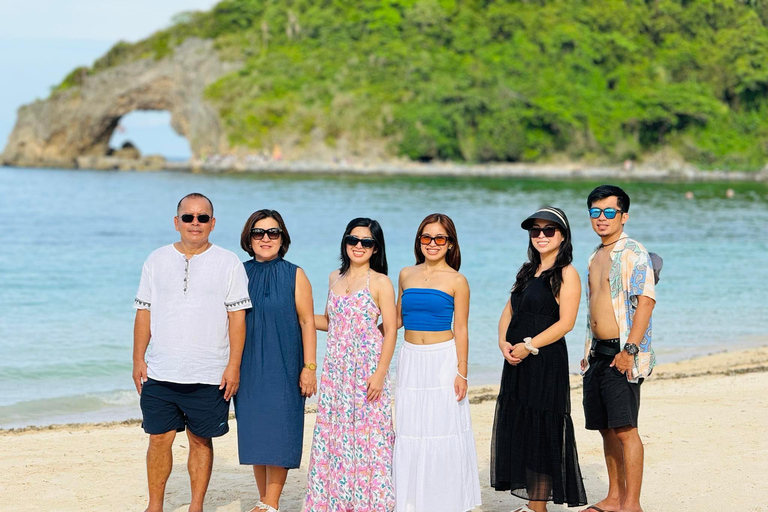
(269,406)
(533,448)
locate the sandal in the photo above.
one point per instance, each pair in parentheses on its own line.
(524,508)
(259,507)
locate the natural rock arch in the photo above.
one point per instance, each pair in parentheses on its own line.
(80,121)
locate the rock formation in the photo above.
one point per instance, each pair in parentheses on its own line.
(127,150)
(79,121)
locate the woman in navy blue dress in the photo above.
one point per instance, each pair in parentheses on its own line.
(278,368)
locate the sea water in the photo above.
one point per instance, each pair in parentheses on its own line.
(72,244)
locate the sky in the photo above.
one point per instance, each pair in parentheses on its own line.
(43,40)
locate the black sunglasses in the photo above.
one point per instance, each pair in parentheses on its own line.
(272,233)
(548,231)
(203,218)
(352,241)
(439,239)
(610,213)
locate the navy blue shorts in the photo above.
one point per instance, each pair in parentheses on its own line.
(610,400)
(168,406)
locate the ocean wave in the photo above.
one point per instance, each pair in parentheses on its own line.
(27,372)
(105,406)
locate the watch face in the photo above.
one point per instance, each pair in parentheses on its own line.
(631,349)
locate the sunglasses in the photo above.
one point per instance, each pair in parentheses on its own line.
(439,239)
(352,241)
(272,233)
(610,213)
(203,218)
(548,231)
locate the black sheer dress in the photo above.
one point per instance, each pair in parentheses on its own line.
(533,449)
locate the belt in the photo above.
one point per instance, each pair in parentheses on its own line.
(609,347)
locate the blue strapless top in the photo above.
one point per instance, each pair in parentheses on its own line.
(426,309)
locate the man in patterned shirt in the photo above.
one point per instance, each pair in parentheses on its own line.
(618,353)
(188,340)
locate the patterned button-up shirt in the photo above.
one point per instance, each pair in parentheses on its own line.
(631,276)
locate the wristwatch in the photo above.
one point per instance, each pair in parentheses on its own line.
(529,346)
(311,366)
(631,349)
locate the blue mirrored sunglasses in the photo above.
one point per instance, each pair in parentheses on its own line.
(610,213)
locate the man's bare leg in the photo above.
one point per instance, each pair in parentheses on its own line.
(159,466)
(275,482)
(199,465)
(634,454)
(614,462)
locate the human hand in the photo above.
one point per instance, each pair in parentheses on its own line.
(375,385)
(308,382)
(506,351)
(230,381)
(460,388)
(139,374)
(583,364)
(519,351)
(623,362)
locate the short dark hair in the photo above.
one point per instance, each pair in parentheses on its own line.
(453,258)
(378,260)
(193,194)
(603,191)
(245,236)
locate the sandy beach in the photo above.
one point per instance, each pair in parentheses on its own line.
(702,421)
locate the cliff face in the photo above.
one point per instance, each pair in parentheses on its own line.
(79,121)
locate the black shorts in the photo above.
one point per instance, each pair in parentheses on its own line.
(167,406)
(610,401)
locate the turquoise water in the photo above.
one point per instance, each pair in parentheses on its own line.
(73,243)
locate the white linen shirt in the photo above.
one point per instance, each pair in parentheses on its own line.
(188,302)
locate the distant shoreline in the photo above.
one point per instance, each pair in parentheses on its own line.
(738,362)
(564,171)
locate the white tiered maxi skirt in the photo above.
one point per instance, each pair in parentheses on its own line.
(435,460)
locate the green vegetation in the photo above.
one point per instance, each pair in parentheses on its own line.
(483,80)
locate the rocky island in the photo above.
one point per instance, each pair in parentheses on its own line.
(651,90)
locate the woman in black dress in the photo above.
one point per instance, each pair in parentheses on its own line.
(533,449)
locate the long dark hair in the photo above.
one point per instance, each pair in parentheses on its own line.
(554,274)
(453,257)
(378,260)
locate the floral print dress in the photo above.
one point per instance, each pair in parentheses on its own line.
(350,466)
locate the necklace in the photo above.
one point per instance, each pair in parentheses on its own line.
(602,246)
(349,285)
(427,277)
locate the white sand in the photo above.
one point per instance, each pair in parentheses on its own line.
(703,422)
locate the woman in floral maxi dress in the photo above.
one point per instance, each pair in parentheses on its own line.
(350,467)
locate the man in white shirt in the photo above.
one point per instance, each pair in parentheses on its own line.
(188,340)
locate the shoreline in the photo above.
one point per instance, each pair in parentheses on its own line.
(549,171)
(723,363)
(699,423)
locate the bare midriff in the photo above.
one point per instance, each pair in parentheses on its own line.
(428,337)
(601,315)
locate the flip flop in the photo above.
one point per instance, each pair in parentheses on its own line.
(595,508)
(524,508)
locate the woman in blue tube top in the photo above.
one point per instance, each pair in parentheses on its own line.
(435,460)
